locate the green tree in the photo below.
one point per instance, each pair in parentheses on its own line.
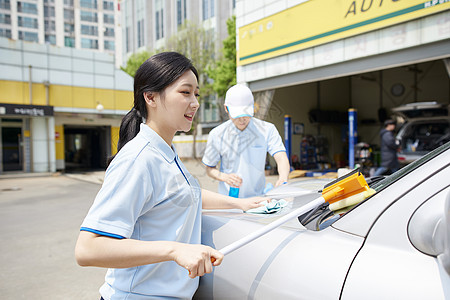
(193,41)
(196,43)
(224,72)
(135,61)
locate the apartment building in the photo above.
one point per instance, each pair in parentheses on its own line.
(62,95)
(80,24)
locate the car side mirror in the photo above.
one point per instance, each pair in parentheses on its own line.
(429,229)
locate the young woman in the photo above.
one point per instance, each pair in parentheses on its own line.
(145,222)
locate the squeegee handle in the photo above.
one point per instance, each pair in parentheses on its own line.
(269,227)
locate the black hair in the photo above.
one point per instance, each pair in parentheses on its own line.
(389,122)
(154,75)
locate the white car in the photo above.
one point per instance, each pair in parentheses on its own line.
(393,245)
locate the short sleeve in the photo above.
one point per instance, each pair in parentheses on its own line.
(211,157)
(274,141)
(126,191)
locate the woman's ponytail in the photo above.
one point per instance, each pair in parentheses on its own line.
(129,128)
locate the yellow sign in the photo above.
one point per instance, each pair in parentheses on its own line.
(317,22)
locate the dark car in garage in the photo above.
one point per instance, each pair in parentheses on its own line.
(424,126)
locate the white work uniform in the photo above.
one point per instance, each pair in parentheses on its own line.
(148,195)
(243,153)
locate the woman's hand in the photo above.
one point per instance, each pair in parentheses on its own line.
(253,202)
(197,259)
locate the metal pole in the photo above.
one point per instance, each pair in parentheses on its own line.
(352,136)
(288,136)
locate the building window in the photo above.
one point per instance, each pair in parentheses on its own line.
(127,39)
(27,22)
(69,42)
(208,9)
(49,11)
(29,8)
(181,12)
(5,32)
(68,14)
(88,4)
(108,5)
(89,30)
(68,2)
(109,31)
(159,19)
(49,25)
(140,33)
(28,36)
(109,45)
(69,28)
(108,19)
(88,16)
(50,39)
(89,43)
(5,19)
(210,111)
(5,4)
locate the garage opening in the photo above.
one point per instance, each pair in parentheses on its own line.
(86,147)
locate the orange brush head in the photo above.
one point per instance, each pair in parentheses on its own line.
(345,186)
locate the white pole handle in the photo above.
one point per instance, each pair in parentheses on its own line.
(269,227)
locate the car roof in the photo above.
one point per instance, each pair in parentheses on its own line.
(422,110)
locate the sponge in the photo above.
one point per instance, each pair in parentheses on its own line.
(352,200)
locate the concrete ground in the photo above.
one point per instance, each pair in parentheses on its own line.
(40,219)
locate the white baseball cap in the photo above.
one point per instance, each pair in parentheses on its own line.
(239,101)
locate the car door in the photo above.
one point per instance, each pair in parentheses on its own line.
(388,266)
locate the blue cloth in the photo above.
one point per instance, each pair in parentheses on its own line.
(148,195)
(243,153)
(269,208)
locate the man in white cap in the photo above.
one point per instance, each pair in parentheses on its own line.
(240,145)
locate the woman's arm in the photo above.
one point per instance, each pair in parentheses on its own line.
(102,251)
(212,200)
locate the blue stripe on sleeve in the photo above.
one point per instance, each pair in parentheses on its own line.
(208,165)
(279,151)
(102,233)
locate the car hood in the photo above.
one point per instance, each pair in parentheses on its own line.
(296,194)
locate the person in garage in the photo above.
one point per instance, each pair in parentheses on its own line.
(241,145)
(389,147)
